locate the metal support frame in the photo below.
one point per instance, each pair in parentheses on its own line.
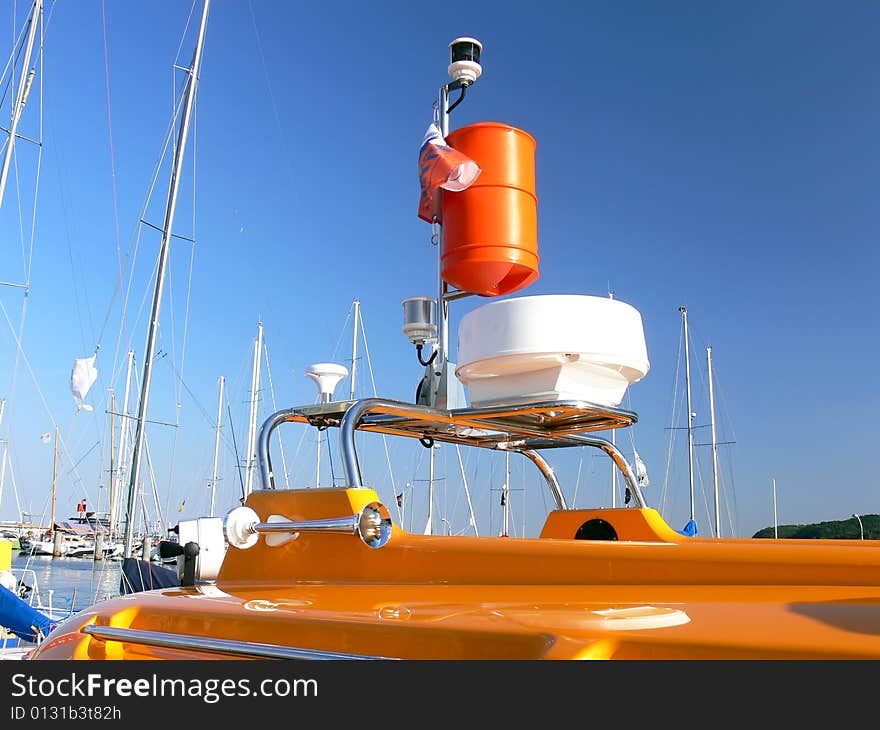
(523,428)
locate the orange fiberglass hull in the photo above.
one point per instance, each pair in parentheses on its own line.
(651,594)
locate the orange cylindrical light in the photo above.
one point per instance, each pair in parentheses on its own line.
(490,230)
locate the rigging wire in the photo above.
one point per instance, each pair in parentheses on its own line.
(282,139)
(235,446)
(341,333)
(185,29)
(27,362)
(185,317)
(10,66)
(375,394)
(275,408)
(134,247)
(671,443)
(27,252)
(577,481)
(110,140)
(29,246)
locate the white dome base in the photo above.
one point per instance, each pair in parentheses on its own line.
(552,347)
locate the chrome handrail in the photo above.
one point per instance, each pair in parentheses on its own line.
(267,478)
(549,476)
(372,525)
(348,426)
(234,647)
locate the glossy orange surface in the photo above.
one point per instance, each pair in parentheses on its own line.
(651,594)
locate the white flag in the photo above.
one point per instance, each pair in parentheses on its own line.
(46,438)
(81,379)
(641,471)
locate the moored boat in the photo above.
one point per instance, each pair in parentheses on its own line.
(324,573)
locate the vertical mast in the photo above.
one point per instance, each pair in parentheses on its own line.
(690,419)
(177,167)
(252,422)
(24,87)
(54,484)
(505,495)
(467,492)
(714,445)
(354,348)
(123,444)
(442,302)
(222,381)
(112,501)
(429,528)
(613,443)
(446,391)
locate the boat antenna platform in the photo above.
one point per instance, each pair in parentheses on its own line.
(525,428)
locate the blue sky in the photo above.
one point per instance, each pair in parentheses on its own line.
(723,157)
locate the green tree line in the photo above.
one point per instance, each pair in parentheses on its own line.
(833,530)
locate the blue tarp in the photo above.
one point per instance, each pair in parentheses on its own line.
(24,621)
(689,530)
(140,575)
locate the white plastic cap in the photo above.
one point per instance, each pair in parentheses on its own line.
(326,376)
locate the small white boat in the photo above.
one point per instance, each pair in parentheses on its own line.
(45,547)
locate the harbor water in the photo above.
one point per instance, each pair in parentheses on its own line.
(75,583)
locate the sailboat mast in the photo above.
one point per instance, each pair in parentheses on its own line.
(54,485)
(123,443)
(174,184)
(690,418)
(714,445)
(252,421)
(222,382)
(354,348)
(429,528)
(613,443)
(505,493)
(24,87)
(442,346)
(467,492)
(113,465)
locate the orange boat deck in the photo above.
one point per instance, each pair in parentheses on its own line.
(652,593)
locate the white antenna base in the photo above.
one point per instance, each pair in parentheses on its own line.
(326,376)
